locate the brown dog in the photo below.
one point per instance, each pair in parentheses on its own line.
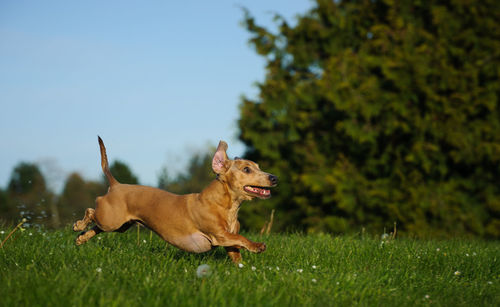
(192,222)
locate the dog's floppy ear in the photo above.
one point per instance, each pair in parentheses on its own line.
(220,159)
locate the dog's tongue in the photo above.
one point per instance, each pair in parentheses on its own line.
(261,191)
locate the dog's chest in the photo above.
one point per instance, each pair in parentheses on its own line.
(232,218)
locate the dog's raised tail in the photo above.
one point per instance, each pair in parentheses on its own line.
(104,163)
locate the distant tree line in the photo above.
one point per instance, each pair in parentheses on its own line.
(27,194)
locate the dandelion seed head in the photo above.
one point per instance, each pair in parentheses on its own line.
(203,270)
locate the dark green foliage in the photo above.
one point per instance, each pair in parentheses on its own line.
(122,173)
(198,175)
(77,196)
(27,197)
(380,111)
(7,210)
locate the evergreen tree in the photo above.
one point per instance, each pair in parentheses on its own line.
(380,111)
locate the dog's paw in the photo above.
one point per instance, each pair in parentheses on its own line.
(78,226)
(259,247)
(80,240)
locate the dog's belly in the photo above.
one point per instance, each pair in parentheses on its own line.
(195,243)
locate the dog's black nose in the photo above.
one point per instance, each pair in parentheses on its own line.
(273,179)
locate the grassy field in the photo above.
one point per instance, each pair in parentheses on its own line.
(45,268)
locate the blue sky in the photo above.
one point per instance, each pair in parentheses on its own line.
(157,80)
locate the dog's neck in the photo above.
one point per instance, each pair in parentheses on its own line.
(225,197)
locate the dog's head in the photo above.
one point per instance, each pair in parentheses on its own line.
(243,177)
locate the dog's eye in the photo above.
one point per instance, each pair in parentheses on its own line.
(247,170)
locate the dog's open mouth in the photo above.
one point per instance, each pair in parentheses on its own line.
(258,191)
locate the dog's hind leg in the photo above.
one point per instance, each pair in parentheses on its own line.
(82,224)
(84,237)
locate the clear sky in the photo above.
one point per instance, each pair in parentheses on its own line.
(157,80)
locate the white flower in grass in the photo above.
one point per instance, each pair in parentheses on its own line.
(457,273)
(240,265)
(144,241)
(467,255)
(30,234)
(203,270)
(427,296)
(2,232)
(277,268)
(384,236)
(314,280)
(314,267)
(474,254)
(490,282)
(98,270)
(254,268)
(438,249)
(300,270)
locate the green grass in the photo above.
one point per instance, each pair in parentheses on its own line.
(47,269)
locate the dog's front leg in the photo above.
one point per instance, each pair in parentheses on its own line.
(233,253)
(228,239)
